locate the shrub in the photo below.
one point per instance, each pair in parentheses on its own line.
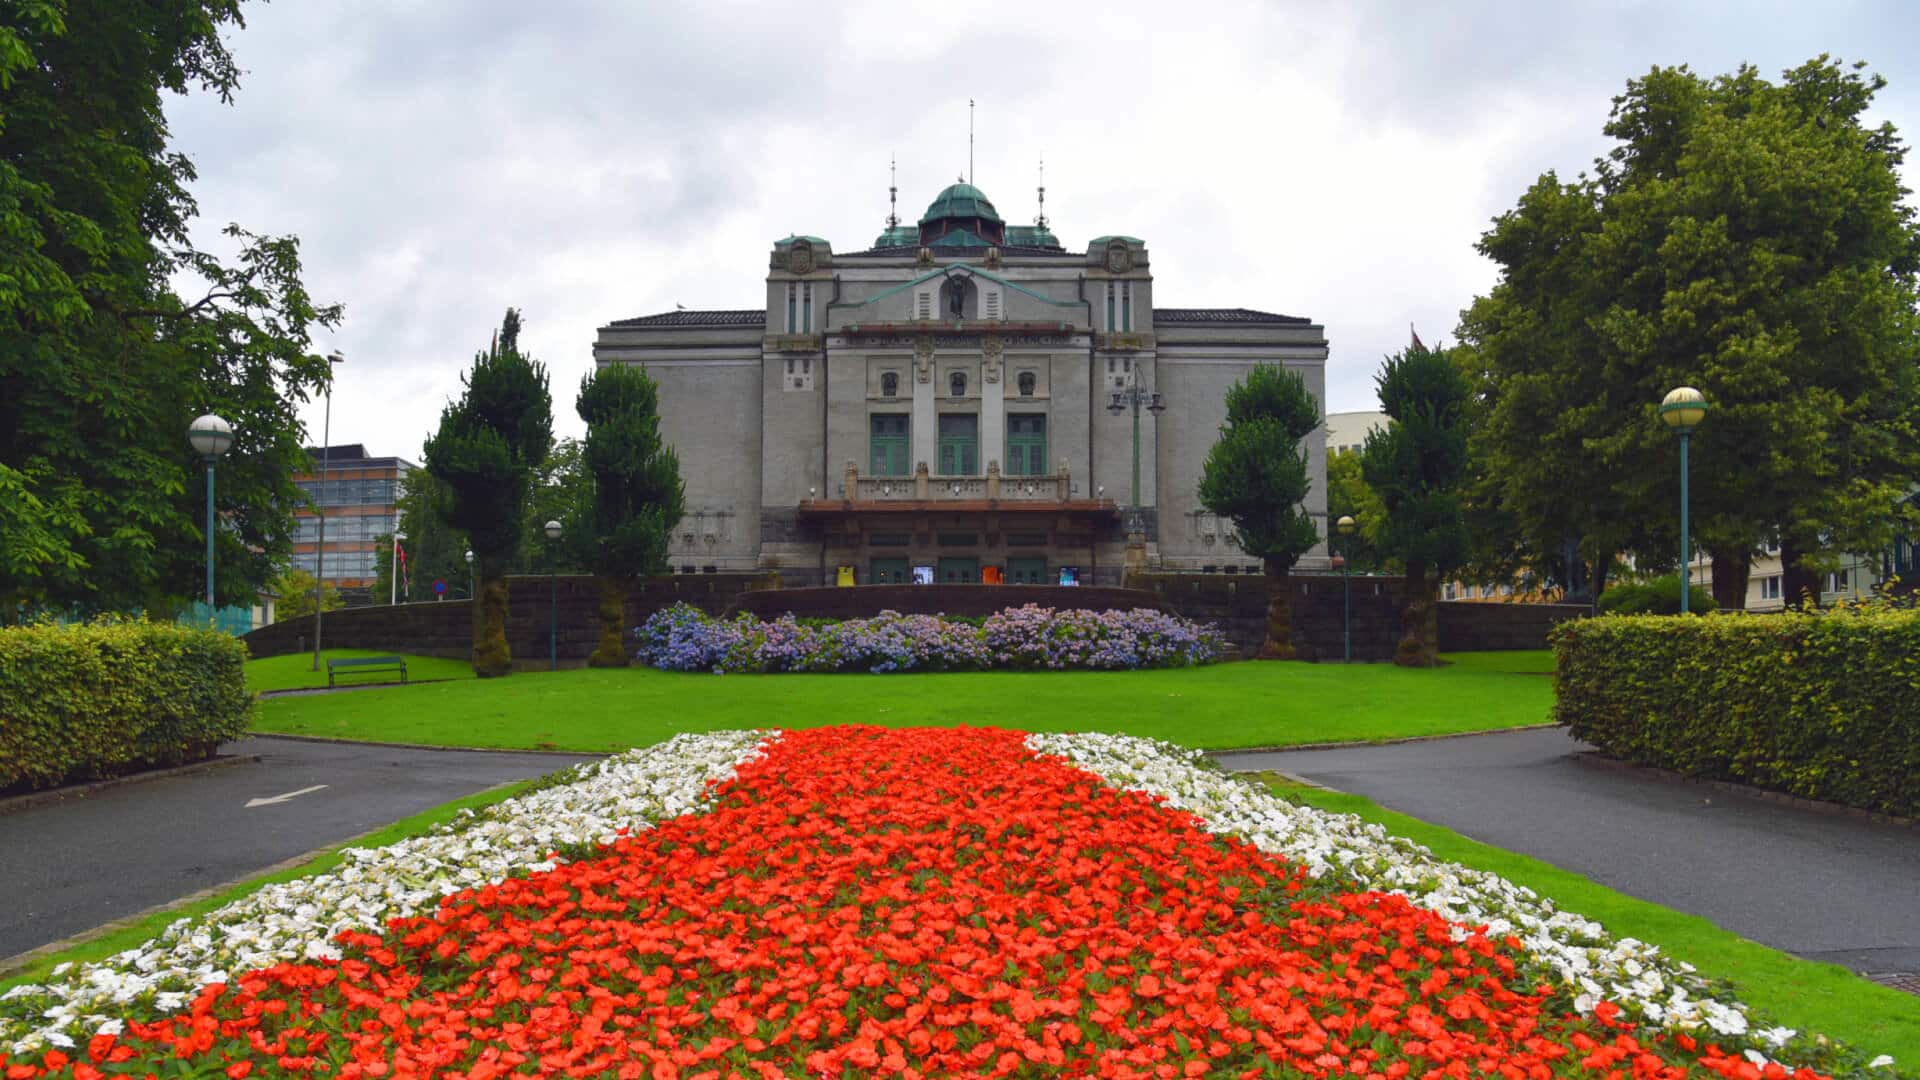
(683,638)
(1816,704)
(82,702)
(1661,596)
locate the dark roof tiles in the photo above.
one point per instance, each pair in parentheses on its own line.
(730,317)
(1222,316)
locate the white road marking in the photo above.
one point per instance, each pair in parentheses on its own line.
(251,803)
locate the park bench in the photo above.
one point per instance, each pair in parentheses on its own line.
(367,663)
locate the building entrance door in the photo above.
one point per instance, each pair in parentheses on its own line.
(959,571)
(890,572)
(1030,570)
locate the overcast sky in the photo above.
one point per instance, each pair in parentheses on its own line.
(586,162)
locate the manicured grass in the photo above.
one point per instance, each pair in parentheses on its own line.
(1821,998)
(136,933)
(1227,705)
(1513,662)
(296,672)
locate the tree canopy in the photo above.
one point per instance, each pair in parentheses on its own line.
(1256,477)
(636,497)
(116,330)
(1745,237)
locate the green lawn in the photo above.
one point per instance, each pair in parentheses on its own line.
(1227,705)
(1822,998)
(296,672)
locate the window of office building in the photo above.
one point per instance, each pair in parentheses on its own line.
(888,445)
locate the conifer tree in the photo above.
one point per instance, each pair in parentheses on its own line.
(637,498)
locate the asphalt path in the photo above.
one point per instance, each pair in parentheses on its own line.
(1821,885)
(76,863)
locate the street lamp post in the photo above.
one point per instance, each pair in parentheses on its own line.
(1682,409)
(334,359)
(393,571)
(472,589)
(553,621)
(1135,397)
(1345,525)
(210,436)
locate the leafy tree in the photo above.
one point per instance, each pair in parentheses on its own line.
(484,454)
(562,488)
(637,494)
(1349,494)
(1256,477)
(115,331)
(1418,464)
(1746,237)
(295,589)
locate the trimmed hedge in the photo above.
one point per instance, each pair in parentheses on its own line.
(1824,706)
(1661,596)
(88,701)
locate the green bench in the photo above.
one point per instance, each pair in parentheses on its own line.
(360,664)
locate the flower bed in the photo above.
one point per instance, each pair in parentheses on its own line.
(684,638)
(948,902)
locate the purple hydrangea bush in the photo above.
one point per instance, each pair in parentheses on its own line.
(684,638)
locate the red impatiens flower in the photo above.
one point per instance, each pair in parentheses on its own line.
(915,903)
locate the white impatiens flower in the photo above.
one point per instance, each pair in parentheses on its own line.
(1884,1061)
(1562,948)
(296,920)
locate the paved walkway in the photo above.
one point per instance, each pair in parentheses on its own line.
(73,864)
(1823,886)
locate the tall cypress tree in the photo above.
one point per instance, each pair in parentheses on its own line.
(638,496)
(1256,477)
(1418,465)
(484,456)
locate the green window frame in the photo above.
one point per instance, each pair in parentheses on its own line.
(1026,444)
(889,444)
(1027,570)
(959,444)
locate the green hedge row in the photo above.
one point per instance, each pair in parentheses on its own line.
(82,702)
(1824,706)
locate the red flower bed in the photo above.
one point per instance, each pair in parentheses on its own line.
(921,903)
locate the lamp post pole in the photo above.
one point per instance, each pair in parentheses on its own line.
(1135,397)
(393,570)
(320,510)
(472,582)
(553,620)
(210,436)
(1682,409)
(1345,526)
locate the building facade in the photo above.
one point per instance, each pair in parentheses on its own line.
(964,400)
(360,498)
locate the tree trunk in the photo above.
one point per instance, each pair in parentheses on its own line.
(1597,577)
(1279,643)
(491,656)
(1732,565)
(1419,620)
(1798,584)
(612,610)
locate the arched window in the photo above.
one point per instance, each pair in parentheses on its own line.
(958,384)
(889,384)
(1027,383)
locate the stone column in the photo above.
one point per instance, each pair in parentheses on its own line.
(926,420)
(993,403)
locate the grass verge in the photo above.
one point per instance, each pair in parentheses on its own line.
(1823,998)
(142,929)
(1218,707)
(295,672)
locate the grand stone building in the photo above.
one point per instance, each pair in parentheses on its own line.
(957,399)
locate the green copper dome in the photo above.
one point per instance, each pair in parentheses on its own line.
(961,201)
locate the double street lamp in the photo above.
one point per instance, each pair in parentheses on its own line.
(210,436)
(1136,397)
(1682,410)
(553,621)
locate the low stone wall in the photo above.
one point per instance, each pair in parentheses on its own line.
(1471,626)
(445,628)
(1237,604)
(971,601)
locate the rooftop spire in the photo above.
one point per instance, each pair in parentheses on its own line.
(893,192)
(969,140)
(1040,221)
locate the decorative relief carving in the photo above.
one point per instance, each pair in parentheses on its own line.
(992,261)
(923,359)
(800,257)
(990,352)
(1119,257)
(925,258)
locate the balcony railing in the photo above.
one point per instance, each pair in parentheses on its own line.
(922,487)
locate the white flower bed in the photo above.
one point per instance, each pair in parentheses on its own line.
(1572,951)
(298,919)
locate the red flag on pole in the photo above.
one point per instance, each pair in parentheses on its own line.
(1417,343)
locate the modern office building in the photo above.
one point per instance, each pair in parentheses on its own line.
(962,399)
(360,499)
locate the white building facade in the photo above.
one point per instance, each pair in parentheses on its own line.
(942,405)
